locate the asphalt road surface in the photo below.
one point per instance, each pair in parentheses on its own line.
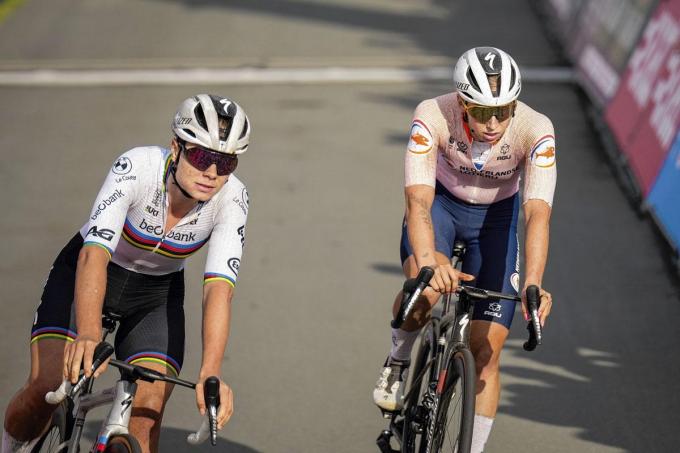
(325,172)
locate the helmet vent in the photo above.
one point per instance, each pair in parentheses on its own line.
(473,80)
(245,129)
(512,77)
(200,116)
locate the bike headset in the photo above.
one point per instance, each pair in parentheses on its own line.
(213,122)
(474,69)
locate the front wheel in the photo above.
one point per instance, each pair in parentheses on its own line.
(456,415)
(122,443)
(59,431)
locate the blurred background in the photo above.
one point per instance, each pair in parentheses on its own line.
(330,87)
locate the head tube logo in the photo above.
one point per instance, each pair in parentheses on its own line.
(234,264)
(420,141)
(543,153)
(122,166)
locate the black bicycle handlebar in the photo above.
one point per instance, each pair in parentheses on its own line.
(413,288)
(211,393)
(534,325)
(149,375)
(101,352)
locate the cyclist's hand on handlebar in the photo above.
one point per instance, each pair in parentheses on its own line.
(544,307)
(446,278)
(79,354)
(226,408)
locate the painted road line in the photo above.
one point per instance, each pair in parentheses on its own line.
(252,76)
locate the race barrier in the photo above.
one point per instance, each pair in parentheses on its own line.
(664,200)
(627,56)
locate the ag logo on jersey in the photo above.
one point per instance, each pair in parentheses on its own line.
(543,153)
(122,166)
(421,138)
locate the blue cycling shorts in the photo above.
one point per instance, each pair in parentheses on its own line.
(490,235)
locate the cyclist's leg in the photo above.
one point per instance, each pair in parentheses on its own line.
(153,338)
(27,414)
(389,387)
(494,257)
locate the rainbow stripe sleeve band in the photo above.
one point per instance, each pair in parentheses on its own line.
(108,250)
(212,277)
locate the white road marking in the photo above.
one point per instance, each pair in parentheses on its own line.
(251,76)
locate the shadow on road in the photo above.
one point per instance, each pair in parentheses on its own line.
(175,440)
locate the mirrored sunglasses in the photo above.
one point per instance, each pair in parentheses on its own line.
(202,158)
(483,114)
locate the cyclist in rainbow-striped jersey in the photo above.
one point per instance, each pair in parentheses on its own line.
(156,207)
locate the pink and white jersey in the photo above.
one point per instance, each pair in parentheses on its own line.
(128,219)
(441,149)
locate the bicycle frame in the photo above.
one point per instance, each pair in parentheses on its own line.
(118,418)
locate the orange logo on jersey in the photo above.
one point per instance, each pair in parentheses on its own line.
(420,139)
(548,153)
(548,158)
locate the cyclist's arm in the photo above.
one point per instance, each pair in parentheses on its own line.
(216,320)
(539,189)
(221,271)
(89,291)
(100,237)
(90,287)
(419,200)
(537,220)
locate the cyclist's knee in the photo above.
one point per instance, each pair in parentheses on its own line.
(487,360)
(486,342)
(150,403)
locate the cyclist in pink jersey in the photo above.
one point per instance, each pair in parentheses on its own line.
(467,152)
(156,207)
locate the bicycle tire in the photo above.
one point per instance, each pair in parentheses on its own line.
(122,443)
(455,419)
(414,398)
(58,431)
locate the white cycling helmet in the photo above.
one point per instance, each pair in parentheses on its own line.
(472,71)
(197,121)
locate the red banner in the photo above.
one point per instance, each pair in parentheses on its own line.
(645,112)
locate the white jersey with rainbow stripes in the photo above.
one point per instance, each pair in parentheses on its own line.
(132,204)
(441,149)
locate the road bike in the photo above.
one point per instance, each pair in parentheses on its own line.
(439,401)
(74,402)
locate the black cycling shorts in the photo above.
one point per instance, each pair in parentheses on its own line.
(152,308)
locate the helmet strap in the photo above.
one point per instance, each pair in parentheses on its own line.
(173,171)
